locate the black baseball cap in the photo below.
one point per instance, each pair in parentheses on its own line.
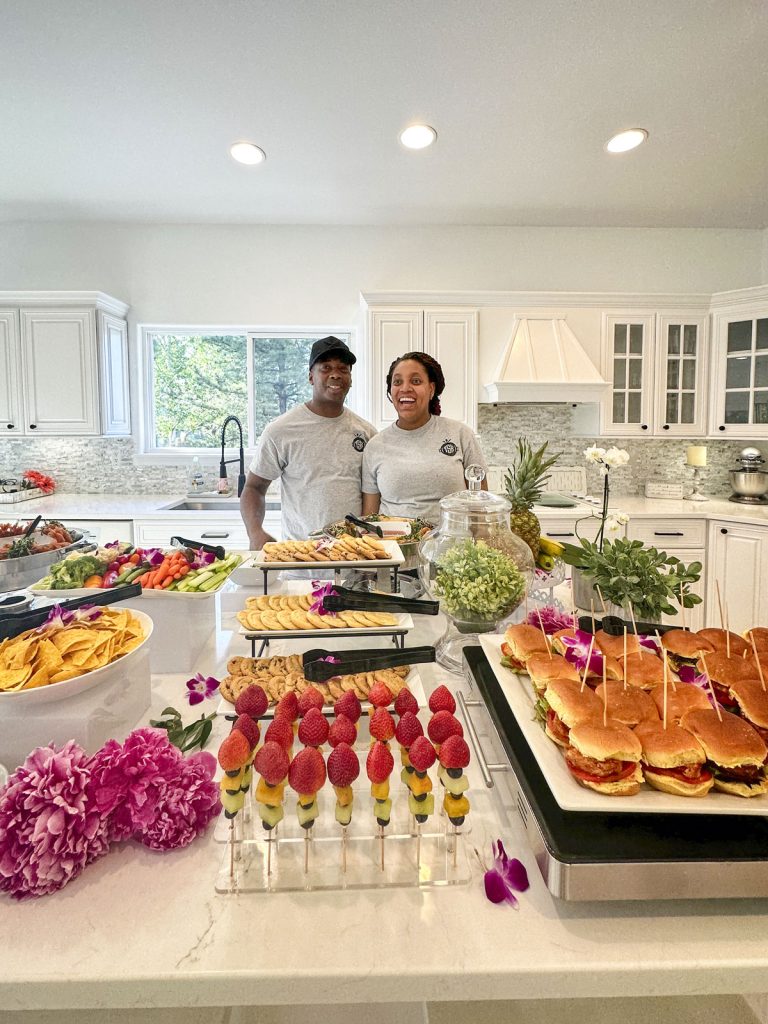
(324,347)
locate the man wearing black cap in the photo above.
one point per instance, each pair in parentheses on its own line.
(314,449)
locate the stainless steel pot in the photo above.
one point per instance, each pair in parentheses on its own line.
(17,573)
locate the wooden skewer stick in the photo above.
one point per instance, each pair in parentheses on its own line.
(664,656)
(586,667)
(455,844)
(711,687)
(605,691)
(666,684)
(602,602)
(720,604)
(344,849)
(625,656)
(634,623)
(682,606)
(546,638)
(231,849)
(727,634)
(269,855)
(306,851)
(418,846)
(381,846)
(592,613)
(757,660)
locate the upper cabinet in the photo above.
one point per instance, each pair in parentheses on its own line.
(656,364)
(64,359)
(739,406)
(448,333)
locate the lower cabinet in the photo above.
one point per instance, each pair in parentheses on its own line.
(230,532)
(737,567)
(684,539)
(103,531)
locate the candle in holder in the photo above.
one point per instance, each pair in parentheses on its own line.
(696,455)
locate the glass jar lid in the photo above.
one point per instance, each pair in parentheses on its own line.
(474,500)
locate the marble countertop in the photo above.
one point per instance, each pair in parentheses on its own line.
(142,929)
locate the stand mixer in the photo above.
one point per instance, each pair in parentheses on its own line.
(750,483)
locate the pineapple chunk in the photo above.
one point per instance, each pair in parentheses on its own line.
(455,807)
(344,795)
(231,784)
(419,786)
(271,795)
(380,790)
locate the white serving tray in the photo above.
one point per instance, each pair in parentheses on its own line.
(402,624)
(257,561)
(573,797)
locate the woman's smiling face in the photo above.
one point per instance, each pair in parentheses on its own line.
(411,392)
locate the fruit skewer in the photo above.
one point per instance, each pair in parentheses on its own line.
(454,758)
(349,706)
(343,769)
(272,763)
(441,726)
(379,767)
(306,777)
(421,801)
(408,729)
(234,756)
(250,706)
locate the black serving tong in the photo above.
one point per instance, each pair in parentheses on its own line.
(347,663)
(32,527)
(344,599)
(363,525)
(613,625)
(16,624)
(197,545)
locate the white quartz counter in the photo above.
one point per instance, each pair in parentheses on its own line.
(88,506)
(147,929)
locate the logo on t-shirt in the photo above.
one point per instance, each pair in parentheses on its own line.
(359,442)
(448,447)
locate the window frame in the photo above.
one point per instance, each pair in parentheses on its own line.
(149,454)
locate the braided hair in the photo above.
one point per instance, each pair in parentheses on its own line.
(433,371)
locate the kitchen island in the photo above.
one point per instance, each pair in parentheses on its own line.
(143,929)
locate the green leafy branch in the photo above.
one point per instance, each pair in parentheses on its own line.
(185,737)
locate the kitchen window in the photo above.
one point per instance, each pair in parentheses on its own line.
(195,378)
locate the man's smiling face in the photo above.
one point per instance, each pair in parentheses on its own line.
(331,380)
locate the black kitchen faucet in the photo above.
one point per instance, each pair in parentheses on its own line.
(225,462)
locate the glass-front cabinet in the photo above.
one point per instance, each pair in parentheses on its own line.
(656,365)
(742,384)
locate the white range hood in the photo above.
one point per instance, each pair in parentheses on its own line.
(544,362)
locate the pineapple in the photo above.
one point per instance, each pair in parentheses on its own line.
(524,483)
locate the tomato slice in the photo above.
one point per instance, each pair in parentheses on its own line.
(626,771)
(680,775)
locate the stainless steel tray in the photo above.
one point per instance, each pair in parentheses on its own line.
(17,573)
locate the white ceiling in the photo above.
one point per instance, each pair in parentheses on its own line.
(124,111)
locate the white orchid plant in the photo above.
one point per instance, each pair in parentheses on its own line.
(606,459)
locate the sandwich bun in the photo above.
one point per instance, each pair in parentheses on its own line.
(614,645)
(729,743)
(643,670)
(744,789)
(541,668)
(676,786)
(522,641)
(568,705)
(682,647)
(760,636)
(673,760)
(623,787)
(627,704)
(719,638)
(605,758)
(723,672)
(681,697)
(752,702)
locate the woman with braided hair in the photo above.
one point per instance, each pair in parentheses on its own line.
(411,465)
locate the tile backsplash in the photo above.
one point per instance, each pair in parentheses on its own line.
(106,465)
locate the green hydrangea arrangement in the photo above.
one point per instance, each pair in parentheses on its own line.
(478,583)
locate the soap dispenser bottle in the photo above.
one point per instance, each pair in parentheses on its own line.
(195,478)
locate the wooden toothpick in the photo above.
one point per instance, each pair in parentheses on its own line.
(602,602)
(711,687)
(605,691)
(720,604)
(589,658)
(666,683)
(546,638)
(625,656)
(682,606)
(757,660)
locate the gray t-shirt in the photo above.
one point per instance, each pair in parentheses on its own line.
(413,469)
(318,462)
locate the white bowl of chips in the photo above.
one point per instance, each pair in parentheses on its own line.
(81,654)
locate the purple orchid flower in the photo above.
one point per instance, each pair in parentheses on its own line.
(505,878)
(551,618)
(649,642)
(577,651)
(58,617)
(201,559)
(201,688)
(331,659)
(688,674)
(319,592)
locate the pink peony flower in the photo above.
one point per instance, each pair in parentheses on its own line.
(129,779)
(187,803)
(50,827)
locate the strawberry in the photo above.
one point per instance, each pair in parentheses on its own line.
(311,698)
(306,773)
(252,701)
(342,731)
(422,754)
(271,762)
(408,729)
(234,752)
(313,728)
(380,763)
(405,701)
(442,700)
(382,724)
(280,731)
(442,725)
(348,704)
(249,728)
(454,753)
(343,765)
(380,695)
(288,706)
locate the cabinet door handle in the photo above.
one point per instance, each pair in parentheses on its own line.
(213,533)
(665,427)
(33,426)
(10,426)
(671,533)
(723,530)
(644,426)
(561,534)
(721,428)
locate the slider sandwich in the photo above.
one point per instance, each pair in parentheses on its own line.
(605,758)
(760,636)
(628,705)
(542,669)
(613,646)
(751,703)
(565,704)
(643,670)
(673,760)
(735,752)
(520,642)
(682,698)
(721,638)
(723,672)
(684,648)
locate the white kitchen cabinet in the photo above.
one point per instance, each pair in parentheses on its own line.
(211,529)
(65,357)
(739,403)
(563,529)
(656,365)
(737,561)
(102,531)
(685,539)
(448,333)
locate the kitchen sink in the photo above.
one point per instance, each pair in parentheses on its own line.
(214,505)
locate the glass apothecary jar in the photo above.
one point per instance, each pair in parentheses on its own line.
(474,566)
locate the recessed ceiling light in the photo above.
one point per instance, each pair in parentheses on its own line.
(625,141)
(418,136)
(247,153)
